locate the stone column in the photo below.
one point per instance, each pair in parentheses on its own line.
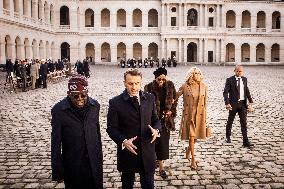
(11,3)
(168,15)
(29,51)
(200,50)
(113,22)
(205,16)
(268,22)
(35,10)
(163,15)
(21,50)
(179,50)
(185,50)
(238,21)
(73,53)
(168,48)
(163,48)
(1,12)
(129,51)
(29,10)
(47,15)
(21,9)
(13,53)
(2,49)
(252,53)
(97,55)
(144,51)
(73,22)
(238,54)
(113,53)
(217,52)
(97,20)
(282,26)
(205,55)
(180,15)
(145,20)
(268,53)
(222,54)
(253,22)
(200,15)
(129,20)
(223,17)
(41,11)
(218,13)
(185,15)
(281,58)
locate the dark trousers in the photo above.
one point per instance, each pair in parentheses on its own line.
(146,180)
(241,109)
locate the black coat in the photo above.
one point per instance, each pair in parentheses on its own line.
(124,122)
(79,140)
(231,91)
(43,70)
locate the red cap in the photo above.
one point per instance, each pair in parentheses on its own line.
(77,83)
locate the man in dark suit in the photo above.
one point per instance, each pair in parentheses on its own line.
(133,124)
(76,129)
(236,94)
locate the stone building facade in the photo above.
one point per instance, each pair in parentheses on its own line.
(202,31)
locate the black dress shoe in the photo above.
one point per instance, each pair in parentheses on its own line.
(228,140)
(248,145)
(163,174)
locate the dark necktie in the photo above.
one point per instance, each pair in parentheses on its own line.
(135,102)
(239,88)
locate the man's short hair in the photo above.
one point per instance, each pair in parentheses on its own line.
(133,72)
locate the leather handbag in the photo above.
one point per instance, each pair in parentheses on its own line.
(208,132)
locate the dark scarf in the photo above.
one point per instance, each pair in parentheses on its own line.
(80,113)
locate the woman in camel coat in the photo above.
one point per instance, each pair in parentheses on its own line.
(193,123)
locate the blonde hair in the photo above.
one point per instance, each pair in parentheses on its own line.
(189,76)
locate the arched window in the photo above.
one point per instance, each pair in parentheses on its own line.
(153,18)
(261,19)
(121,18)
(192,17)
(105,18)
(64,16)
(230,19)
(276,18)
(230,52)
(246,19)
(137,18)
(89,18)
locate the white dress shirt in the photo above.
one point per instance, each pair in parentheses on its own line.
(242,91)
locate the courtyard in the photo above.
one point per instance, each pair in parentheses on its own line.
(25,133)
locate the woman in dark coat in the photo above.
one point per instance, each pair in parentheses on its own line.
(76,129)
(165,93)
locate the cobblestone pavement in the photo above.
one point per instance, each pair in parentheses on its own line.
(25,133)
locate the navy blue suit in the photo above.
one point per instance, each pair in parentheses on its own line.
(124,121)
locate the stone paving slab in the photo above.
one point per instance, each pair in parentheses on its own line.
(25,133)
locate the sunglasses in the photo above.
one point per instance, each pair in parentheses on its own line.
(77,96)
(161,79)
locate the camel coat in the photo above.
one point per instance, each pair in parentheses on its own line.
(188,122)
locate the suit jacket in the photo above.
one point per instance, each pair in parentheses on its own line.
(75,137)
(125,122)
(231,92)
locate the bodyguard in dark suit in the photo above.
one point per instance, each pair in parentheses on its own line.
(236,96)
(76,130)
(132,123)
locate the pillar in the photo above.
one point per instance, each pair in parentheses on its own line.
(185,15)
(129,19)
(268,21)
(252,53)
(238,21)
(73,52)
(253,22)
(35,9)
(144,20)
(168,48)
(218,13)
(179,50)
(2,50)
(168,15)
(222,54)
(200,15)
(163,48)
(163,15)
(180,15)
(97,55)
(21,8)
(129,51)
(113,53)
(268,53)
(200,49)
(185,50)
(238,54)
(217,52)
(113,24)
(205,55)
(144,51)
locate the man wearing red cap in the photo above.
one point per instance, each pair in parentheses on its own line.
(76,147)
